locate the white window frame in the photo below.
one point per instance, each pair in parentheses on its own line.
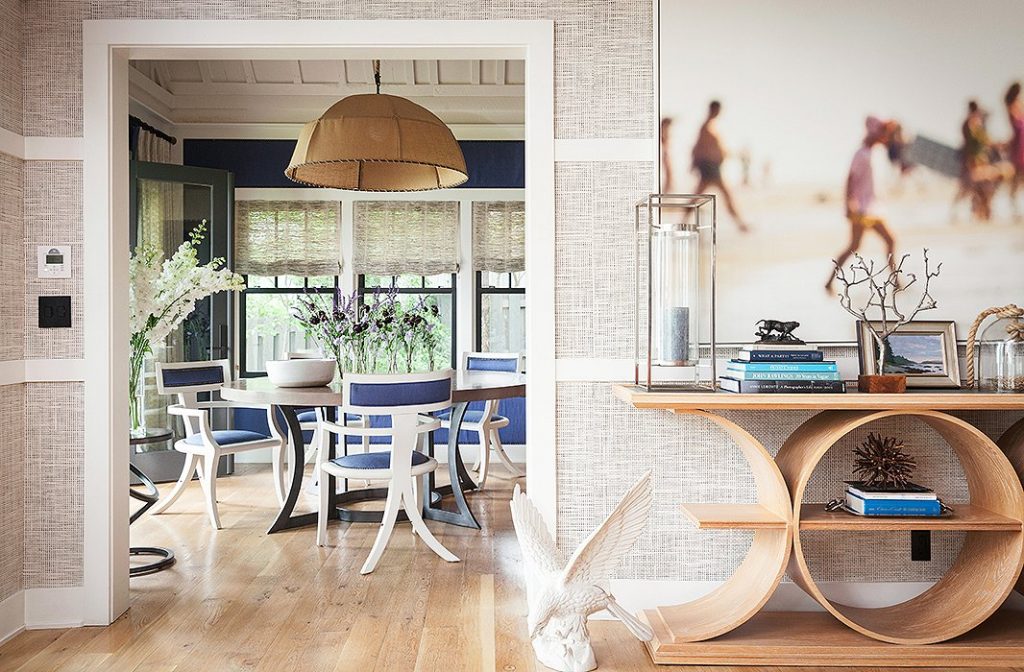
(108,45)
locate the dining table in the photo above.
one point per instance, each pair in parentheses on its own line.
(467,387)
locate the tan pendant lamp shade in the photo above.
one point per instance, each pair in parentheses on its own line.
(377,142)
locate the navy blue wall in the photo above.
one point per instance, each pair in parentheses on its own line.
(492,164)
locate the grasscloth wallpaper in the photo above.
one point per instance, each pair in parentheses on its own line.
(604,89)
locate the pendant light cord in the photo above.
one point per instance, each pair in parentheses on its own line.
(376,74)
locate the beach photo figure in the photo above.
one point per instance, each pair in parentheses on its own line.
(898,134)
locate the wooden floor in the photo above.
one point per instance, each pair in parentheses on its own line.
(241,600)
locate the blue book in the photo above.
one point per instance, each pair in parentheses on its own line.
(780,355)
(804,367)
(782,375)
(893,507)
(729,384)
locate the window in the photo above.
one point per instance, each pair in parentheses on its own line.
(439,290)
(501,311)
(499,232)
(268,329)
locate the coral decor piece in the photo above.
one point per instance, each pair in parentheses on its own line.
(881,290)
(881,463)
(560,598)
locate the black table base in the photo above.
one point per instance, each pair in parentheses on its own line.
(149,497)
(463,516)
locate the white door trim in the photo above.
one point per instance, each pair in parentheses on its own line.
(107,47)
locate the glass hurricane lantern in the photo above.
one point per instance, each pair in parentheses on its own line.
(675,292)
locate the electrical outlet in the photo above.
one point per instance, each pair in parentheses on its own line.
(921,545)
(54,311)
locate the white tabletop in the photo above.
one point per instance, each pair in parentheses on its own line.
(467,386)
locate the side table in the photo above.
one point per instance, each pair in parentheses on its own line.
(148,497)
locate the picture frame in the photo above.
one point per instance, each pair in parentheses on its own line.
(925,351)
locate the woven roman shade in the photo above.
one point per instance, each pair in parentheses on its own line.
(399,237)
(287,238)
(499,236)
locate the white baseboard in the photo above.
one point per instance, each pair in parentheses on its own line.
(12,616)
(47,608)
(637,595)
(517,452)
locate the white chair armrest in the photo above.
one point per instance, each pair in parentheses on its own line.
(199,414)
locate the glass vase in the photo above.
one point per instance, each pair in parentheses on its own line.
(137,386)
(1001,356)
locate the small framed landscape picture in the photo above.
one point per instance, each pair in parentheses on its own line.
(924,351)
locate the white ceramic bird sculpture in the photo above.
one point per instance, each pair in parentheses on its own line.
(560,599)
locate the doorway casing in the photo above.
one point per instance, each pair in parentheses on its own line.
(107,48)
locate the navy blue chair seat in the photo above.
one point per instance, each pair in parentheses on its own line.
(228,437)
(470,416)
(310,416)
(377,460)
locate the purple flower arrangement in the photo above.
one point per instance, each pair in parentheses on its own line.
(378,334)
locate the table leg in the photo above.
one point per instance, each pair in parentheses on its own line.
(285,519)
(460,479)
(149,498)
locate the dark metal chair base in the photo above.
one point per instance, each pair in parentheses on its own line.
(166,556)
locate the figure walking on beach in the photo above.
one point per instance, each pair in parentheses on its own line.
(708,155)
(860,195)
(1015,148)
(978,177)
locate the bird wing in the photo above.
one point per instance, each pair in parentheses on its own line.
(534,539)
(597,557)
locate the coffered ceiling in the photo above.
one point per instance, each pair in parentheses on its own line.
(465,93)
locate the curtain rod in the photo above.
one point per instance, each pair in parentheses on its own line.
(155,131)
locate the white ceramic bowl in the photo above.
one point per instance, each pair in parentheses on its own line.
(301,372)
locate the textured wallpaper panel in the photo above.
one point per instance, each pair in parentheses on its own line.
(12,494)
(594,252)
(12,259)
(53,67)
(53,202)
(11,48)
(605,445)
(53,485)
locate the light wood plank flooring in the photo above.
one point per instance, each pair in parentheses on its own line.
(241,600)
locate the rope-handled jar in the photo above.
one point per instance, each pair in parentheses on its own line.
(996,360)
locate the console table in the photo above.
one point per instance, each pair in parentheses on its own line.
(955,622)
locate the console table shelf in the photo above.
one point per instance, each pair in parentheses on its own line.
(950,623)
(733,517)
(942,400)
(964,517)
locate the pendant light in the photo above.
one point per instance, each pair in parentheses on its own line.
(377,142)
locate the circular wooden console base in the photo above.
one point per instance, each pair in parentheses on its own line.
(1012,443)
(735,601)
(989,562)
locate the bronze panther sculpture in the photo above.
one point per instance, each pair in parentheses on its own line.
(777,331)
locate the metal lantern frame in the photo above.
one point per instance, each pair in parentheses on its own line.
(648,214)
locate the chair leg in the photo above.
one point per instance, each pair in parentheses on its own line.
(387,526)
(277,459)
(503,456)
(314,441)
(419,527)
(191,461)
(209,483)
(485,455)
(323,510)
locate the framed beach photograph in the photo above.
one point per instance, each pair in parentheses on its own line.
(924,351)
(830,129)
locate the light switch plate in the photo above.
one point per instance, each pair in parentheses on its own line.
(54,311)
(53,261)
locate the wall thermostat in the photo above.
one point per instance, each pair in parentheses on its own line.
(54,261)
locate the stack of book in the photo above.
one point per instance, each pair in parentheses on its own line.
(781,367)
(913,500)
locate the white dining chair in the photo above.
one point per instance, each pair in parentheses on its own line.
(308,423)
(487,422)
(204,446)
(408,400)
